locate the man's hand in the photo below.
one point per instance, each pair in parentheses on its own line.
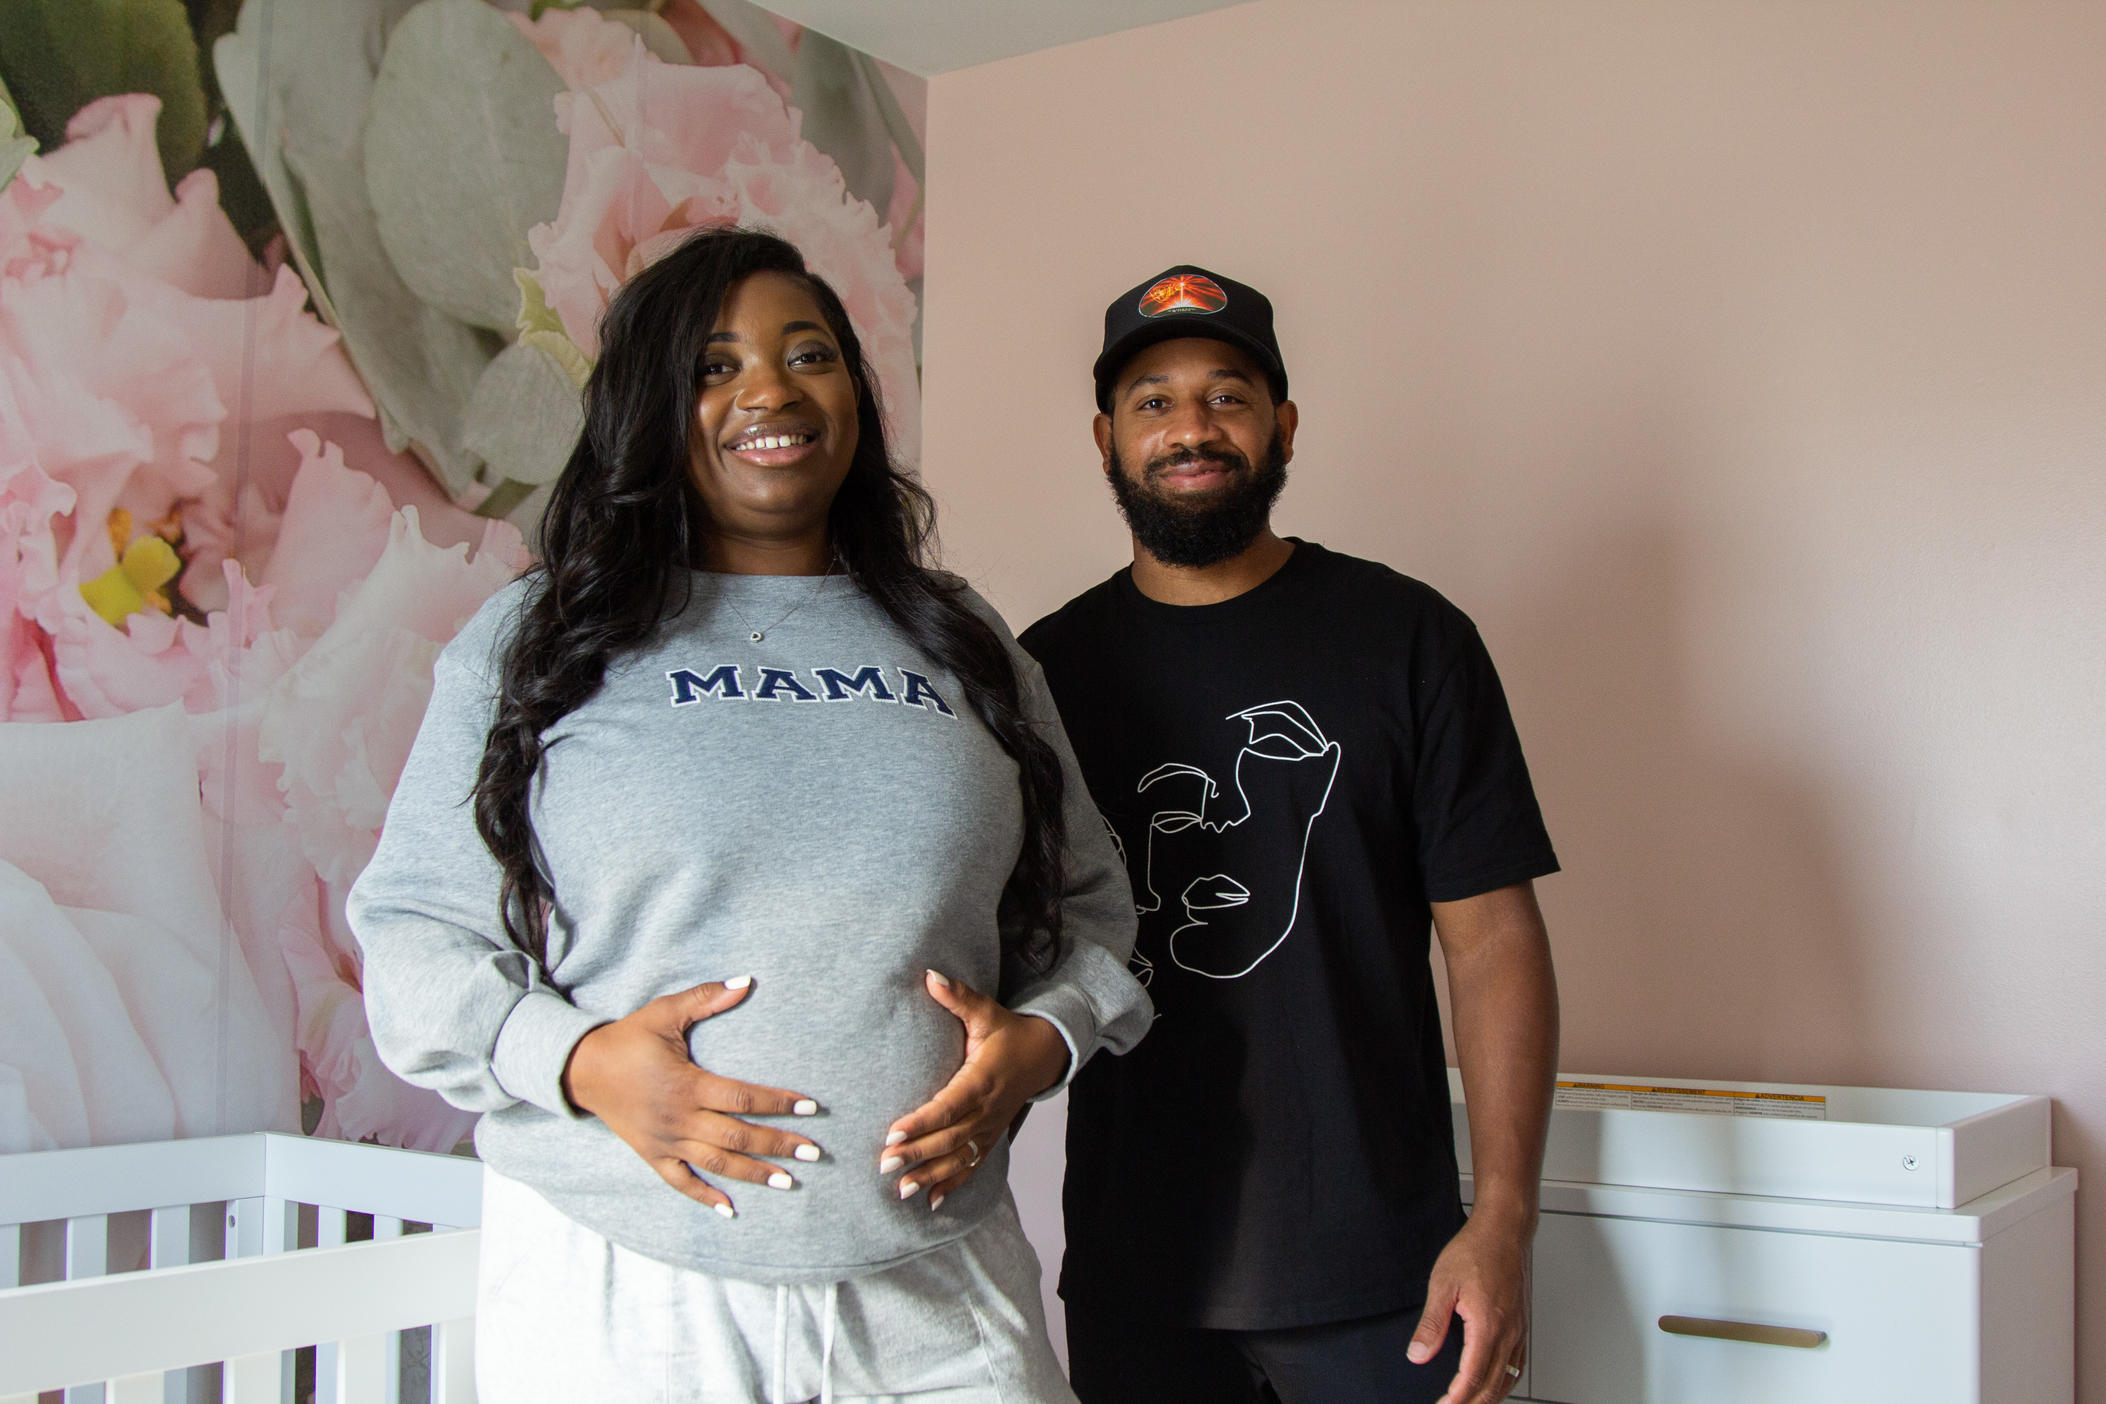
(1505,1000)
(1009,1059)
(1481,1277)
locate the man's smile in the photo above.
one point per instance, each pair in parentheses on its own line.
(1194,474)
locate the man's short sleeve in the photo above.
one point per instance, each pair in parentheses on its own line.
(1474,808)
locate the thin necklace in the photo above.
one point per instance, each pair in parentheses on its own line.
(754,635)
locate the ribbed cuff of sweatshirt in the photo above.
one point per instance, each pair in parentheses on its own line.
(1044,1007)
(1095,1003)
(533,1046)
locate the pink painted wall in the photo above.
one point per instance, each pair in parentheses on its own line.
(1742,369)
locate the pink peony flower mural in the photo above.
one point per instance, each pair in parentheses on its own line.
(152,374)
(245,502)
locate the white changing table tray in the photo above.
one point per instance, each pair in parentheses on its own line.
(1872,1145)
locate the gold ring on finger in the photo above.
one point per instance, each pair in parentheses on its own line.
(973,1146)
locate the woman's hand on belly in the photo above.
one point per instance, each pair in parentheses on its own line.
(635,1075)
(1009,1059)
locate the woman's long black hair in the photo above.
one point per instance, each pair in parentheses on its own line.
(624,523)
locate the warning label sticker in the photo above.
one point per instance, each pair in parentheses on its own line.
(1718,1101)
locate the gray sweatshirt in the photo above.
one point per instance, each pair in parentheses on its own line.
(821,811)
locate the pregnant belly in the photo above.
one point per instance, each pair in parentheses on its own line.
(868,1049)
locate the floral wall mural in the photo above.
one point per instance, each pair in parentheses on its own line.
(295,300)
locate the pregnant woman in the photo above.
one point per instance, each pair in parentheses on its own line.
(742,878)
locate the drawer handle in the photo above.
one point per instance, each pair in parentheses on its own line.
(1754,1333)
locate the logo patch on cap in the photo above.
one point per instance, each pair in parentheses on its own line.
(1183,292)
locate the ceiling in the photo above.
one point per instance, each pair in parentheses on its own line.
(929,37)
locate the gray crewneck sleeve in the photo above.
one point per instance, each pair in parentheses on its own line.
(821,811)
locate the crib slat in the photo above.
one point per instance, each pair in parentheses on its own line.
(253,1379)
(168,1236)
(167,1245)
(10,1258)
(453,1362)
(258,1225)
(329,1232)
(87,1255)
(245,1227)
(87,1246)
(281,1224)
(137,1389)
(362,1368)
(281,1234)
(391,1388)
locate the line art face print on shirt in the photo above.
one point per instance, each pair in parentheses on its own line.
(1235,868)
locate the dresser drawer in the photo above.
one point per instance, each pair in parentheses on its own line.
(1894,1320)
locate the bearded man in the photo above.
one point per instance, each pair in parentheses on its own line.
(1307,760)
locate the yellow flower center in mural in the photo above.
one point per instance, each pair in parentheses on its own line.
(134,583)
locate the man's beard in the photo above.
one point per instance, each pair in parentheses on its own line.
(1205,533)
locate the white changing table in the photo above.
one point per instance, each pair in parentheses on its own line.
(1761,1265)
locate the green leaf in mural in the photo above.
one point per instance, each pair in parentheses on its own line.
(57,56)
(14,147)
(462,156)
(13,152)
(241,194)
(525,417)
(540,326)
(324,51)
(897,126)
(841,117)
(658,36)
(421,365)
(755,30)
(297,75)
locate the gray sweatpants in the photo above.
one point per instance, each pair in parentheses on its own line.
(563,1315)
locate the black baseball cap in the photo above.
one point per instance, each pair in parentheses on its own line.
(1188,301)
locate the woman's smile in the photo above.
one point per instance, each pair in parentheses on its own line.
(775,445)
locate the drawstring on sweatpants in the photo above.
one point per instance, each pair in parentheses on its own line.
(826,1345)
(782,1341)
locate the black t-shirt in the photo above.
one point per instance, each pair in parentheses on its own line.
(1292,775)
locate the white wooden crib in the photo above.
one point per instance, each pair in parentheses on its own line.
(219,1269)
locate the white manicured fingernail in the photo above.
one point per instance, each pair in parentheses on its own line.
(909,1188)
(936,1202)
(780,1180)
(726,1210)
(895,1138)
(940,978)
(805,1107)
(806,1152)
(890,1163)
(738,982)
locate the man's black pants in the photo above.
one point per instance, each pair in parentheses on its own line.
(1113,1359)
